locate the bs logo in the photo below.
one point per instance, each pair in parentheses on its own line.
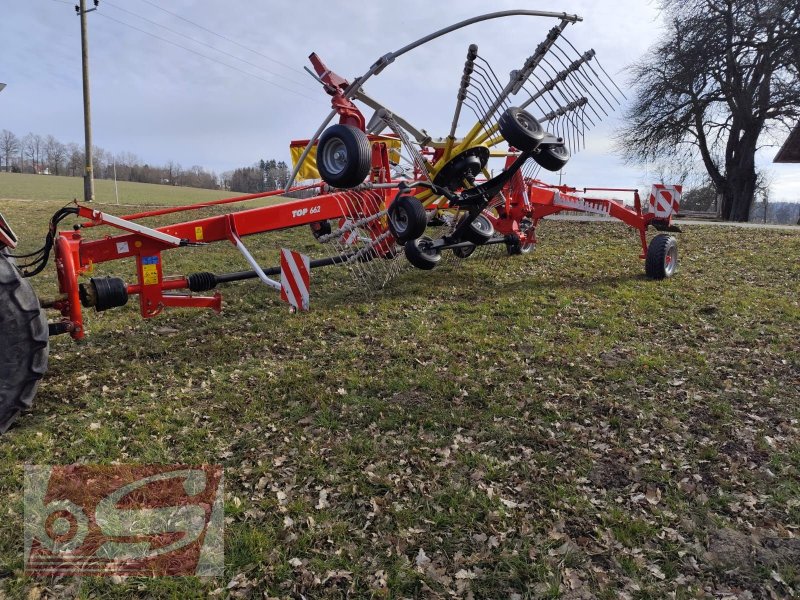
(123,520)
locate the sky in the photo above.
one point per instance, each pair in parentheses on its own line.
(156,92)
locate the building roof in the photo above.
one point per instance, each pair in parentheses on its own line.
(790,151)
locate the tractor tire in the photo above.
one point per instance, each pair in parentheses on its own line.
(662,257)
(552,158)
(407,218)
(419,255)
(479,231)
(25,343)
(344,156)
(520,129)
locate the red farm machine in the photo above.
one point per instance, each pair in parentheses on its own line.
(389,195)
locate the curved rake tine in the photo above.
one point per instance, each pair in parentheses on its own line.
(573,88)
(577,81)
(519,77)
(592,80)
(560,77)
(568,112)
(596,75)
(570,102)
(480,99)
(575,84)
(470,104)
(481,86)
(614,83)
(546,98)
(489,74)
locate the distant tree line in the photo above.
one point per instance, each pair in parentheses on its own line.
(703,198)
(45,155)
(264,176)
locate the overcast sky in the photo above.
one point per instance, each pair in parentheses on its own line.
(168,101)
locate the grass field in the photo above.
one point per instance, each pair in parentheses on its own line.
(557,426)
(50,187)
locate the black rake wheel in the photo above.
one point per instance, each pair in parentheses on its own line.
(662,257)
(344,156)
(407,218)
(25,343)
(520,129)
(552,158)
(420,253)
(479,231)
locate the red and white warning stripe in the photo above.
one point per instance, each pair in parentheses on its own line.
(665,200)
(295,278)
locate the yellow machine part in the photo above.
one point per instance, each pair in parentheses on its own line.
(309,168)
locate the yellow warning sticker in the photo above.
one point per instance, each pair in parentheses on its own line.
(150,274)
(198,234)
(150,270)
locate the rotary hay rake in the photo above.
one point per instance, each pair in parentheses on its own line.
(390,195)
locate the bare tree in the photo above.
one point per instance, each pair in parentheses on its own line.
(724,74)
(55,153)
(32,145)
(75,161)
(9,144)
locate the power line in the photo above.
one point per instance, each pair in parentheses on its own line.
(196,41)
(219,35)
(211,58)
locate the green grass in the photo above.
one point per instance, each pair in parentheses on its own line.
(548,425)
(50,187)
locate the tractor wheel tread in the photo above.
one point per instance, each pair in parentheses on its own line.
(24,354)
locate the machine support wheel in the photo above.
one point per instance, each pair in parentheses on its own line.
(25,343)
(552,158)
(407,218)
(520,129)
(464,252)
(662,257)
(421,255)
(344,156)
(479,231)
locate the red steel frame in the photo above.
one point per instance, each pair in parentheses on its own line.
(76,256)
(524,199)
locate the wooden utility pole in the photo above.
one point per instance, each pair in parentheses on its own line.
(88,175)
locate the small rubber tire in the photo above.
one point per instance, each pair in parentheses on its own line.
(421,257)
(407,218)
(552,158)
(662,257)
(25,347)
(479,231)
(344,156)
(520,129)
(464,252)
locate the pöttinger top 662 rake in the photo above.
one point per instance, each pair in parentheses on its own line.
(389,192)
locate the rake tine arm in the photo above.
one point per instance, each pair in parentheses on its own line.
(592,80)
(614,83)
(597,75)
(561,76)
(469,66)
(575,86)
(518,78)
(420,135)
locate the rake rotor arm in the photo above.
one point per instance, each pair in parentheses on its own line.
(389,58)
(420,135)
(561,76)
